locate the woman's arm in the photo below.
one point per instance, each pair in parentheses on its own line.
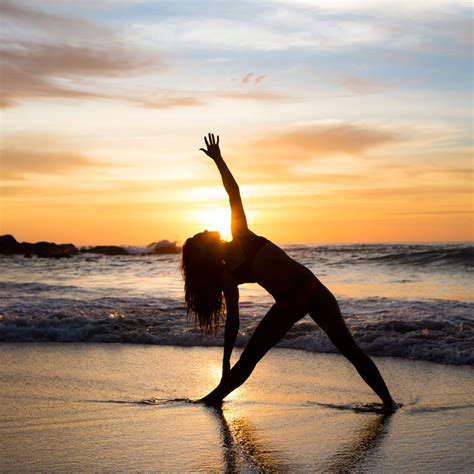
(239,220)
(231,295)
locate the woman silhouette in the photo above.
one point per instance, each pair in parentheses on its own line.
(213,268)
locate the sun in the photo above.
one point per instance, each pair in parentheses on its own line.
(214,218)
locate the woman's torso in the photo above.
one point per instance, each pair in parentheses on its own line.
(252,258)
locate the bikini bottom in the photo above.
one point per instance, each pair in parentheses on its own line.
(300,299)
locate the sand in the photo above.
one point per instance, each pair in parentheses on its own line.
(109,407)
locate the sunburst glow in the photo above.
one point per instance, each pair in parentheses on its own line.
(214,218)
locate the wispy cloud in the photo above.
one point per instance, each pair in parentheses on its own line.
(247,78)
(311,153)
(23,155)
(18,163)
(45,55)
(21,15)
(356,84)
(323,139)
(32,70)
(256,95)
(317,26)
(250,79)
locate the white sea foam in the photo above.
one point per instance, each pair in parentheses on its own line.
(385,327)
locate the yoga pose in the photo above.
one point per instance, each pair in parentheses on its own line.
(213,269)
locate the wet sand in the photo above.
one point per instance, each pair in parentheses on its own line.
(117,407)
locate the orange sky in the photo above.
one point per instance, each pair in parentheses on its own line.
(340,141)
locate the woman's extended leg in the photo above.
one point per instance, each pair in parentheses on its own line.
(271,329)
(326,313)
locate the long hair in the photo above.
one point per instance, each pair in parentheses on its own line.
(202,268)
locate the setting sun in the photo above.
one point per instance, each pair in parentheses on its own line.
(213,218)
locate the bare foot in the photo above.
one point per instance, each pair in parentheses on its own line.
(391,407)
(210,401)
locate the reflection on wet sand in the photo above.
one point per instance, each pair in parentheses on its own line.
(244,449)
(364,442)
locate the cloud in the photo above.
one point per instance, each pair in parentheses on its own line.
(300,154)
(246,79)
(256,95)
(61,57)
(42,70)
(307,141)
(260,34)
(314,27)
(35,20)
(358,84)
(166,100)
(66,60)
(381,7)
(24,155)
(73,58)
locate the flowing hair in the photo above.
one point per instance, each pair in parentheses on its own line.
(202,272)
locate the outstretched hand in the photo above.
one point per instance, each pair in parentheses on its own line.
(213,150)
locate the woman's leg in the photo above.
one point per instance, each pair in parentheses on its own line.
(326,313)
(271,329)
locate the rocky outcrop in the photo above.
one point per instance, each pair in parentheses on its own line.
(106,250)
(10,246)
(163,247)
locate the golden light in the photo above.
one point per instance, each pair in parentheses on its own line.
(214,218)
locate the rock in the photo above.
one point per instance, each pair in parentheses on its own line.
(106,250)
(164,247)
(9,245)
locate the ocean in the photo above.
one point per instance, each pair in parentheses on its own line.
(412,301)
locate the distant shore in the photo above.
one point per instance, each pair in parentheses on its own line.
(10,246)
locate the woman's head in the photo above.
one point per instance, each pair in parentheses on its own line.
(202,268)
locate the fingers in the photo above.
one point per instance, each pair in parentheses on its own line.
(211,140)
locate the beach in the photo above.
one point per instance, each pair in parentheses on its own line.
(118,407)
(101,365)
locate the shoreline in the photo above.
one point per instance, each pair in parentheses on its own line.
(239,346)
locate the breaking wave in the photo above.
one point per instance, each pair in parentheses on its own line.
(383,326)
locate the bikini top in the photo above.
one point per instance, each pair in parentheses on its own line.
(249,244)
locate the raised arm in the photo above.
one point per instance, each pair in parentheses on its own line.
(239,221)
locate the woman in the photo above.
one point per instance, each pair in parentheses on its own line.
(213,268)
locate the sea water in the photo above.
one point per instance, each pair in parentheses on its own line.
(413,301)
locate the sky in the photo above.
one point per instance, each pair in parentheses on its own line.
(347,121)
